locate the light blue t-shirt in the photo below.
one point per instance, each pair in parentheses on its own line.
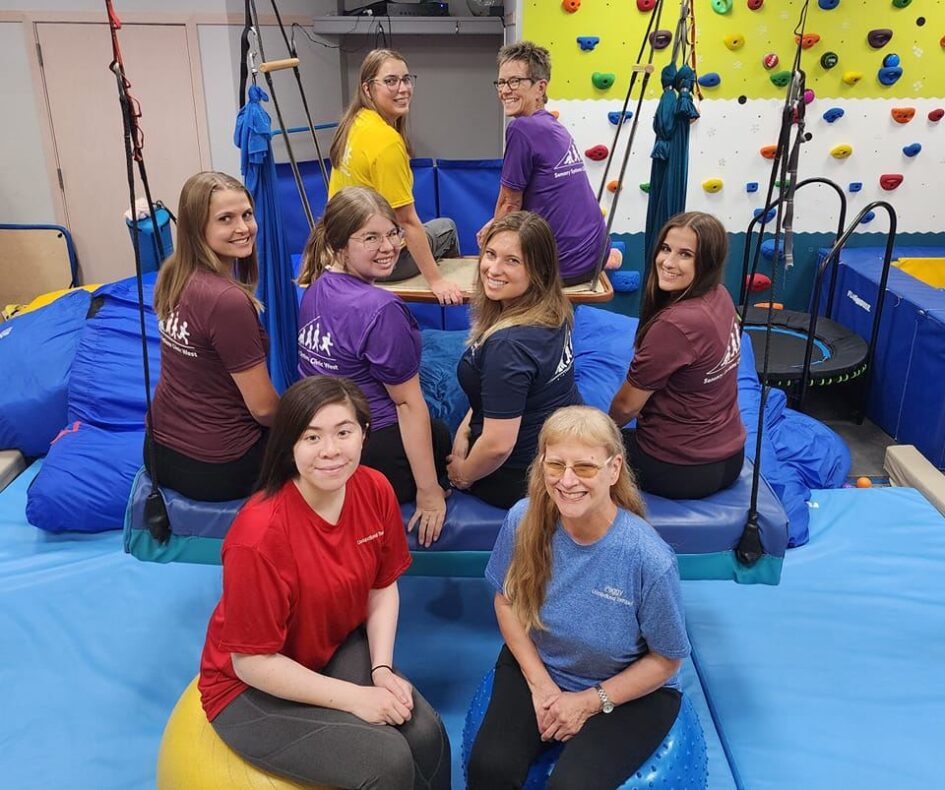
(606,604)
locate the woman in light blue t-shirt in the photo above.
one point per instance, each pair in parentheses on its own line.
(588,602)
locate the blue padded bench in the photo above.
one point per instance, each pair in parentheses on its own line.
(703,533)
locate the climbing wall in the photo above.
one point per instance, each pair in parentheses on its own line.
(876,74)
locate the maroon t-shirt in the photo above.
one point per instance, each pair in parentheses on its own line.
(689,359)
(198,410)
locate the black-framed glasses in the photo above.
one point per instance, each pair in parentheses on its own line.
(512,83)
(374,241)
(586,470)
(393,83)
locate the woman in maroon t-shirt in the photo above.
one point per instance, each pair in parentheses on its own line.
(682,385)
(214,397)
(296,673)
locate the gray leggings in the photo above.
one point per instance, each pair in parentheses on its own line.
(326,746)
(444,243)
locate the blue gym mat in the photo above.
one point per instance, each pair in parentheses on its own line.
(97,647)
(835,678)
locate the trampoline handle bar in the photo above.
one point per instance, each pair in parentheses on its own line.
(278,65)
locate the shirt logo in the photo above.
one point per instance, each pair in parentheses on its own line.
(571,163)
(372,536)
(613,594)
(730,358)
(567,359)
(315,345)
(859,301)
(175,334)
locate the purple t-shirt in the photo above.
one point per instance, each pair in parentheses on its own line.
(348,327)
(543,162)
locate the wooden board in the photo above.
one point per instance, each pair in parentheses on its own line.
(462,271)
(33,260)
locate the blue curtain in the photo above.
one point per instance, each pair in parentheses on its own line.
(276,290)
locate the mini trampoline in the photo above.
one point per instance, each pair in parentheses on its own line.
(838,354)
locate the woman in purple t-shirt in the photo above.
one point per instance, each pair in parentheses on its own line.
(682,385)
(542,170)
(214,399)
(350,327)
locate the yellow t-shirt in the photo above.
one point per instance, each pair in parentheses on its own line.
(375,156)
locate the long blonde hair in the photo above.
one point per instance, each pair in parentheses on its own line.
(346,213)
(193,253)
(530,569)
(370,67)
(544,303)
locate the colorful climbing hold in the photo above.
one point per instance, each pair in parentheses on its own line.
(734,41)
(941,42)
(710,80)
(597,153)
(828,5)
(809,96)
(852,77)
(902,114)
(555,113)
(587,43)
(891,60)
(869,216)
(770,60)
(768,151)
(721,6)
(828,60)
(890,181)
(901,3)
(807,40)
(772,213)
(767,252)
(645,5)
(624,281)
(757,282)
(833,114)
(614,117)
(936,115)
(842,151)
(613,186)
(712,185)
(912,150)
(603,79)
(571,6)
(660,39)
(645,187)
(754,5)
(889,75)
(879,38)
(855,186)
(751,187)
(781,78)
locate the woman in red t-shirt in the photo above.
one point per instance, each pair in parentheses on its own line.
(214,397)
(682,385)
(296,672)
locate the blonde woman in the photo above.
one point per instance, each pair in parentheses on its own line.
(371,149)
(349,327)
(214,399)
(588,603)
(518,367)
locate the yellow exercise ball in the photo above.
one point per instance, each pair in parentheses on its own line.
(194,757)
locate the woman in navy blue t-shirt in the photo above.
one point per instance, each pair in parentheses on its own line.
(519,365)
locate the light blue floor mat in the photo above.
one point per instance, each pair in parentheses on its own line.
(835,678)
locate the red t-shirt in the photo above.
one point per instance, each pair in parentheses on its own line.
(198,409)
(689,359)
(295,584)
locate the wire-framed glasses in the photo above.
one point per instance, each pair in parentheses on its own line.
(393,82)
(374,241)
(583,469)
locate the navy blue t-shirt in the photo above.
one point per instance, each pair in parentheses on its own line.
(521,371)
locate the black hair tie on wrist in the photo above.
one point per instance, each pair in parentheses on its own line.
(381,666)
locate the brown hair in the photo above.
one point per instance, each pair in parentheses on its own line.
(300,403)
(370,67)
(346,213)
(193,252)
(530,568)
(711,252)
(544,303)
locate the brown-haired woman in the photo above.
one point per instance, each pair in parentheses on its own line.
(299,651)
(682,385)
(371,149)
(214,397)
(588,603)
(518,367)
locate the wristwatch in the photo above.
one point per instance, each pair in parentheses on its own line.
(605,704)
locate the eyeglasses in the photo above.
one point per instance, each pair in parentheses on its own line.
(374,241)
(583,469)
(511,83)
(393,83)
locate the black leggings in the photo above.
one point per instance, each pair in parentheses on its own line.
(204,481)
(325,746)
(609,748)
(680,481)
(384,451)
(503,488)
